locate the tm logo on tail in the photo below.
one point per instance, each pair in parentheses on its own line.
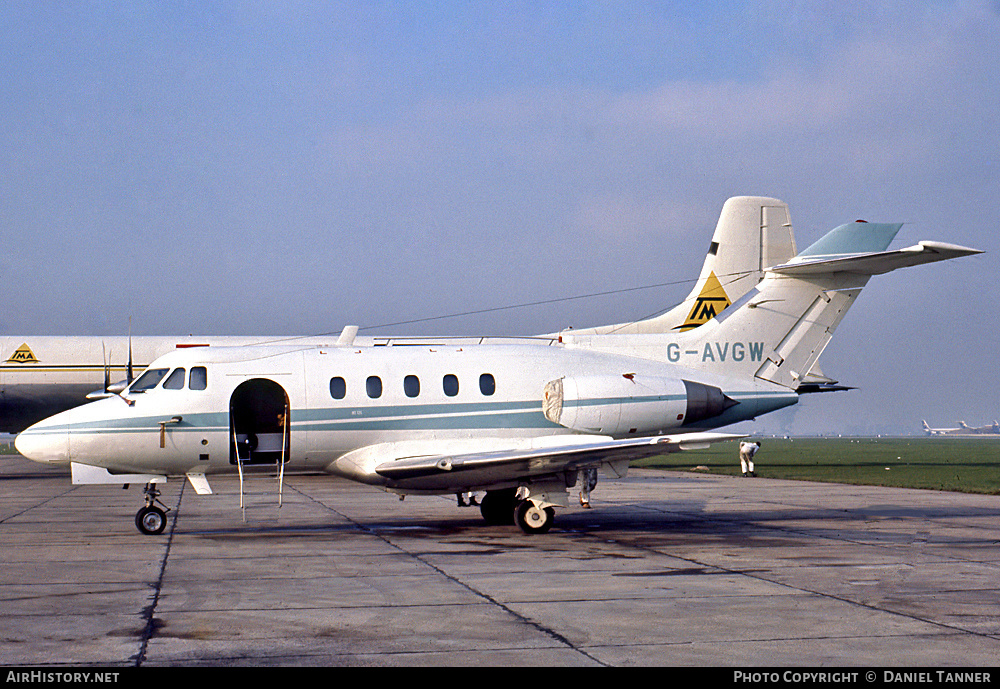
(712,301)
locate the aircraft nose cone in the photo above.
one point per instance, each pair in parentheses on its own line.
(42,444)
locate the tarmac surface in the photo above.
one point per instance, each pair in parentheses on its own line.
(668,568)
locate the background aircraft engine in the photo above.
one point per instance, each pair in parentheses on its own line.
(630,404)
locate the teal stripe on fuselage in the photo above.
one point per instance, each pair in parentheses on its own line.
(444,422)
(457,416)
(190,422)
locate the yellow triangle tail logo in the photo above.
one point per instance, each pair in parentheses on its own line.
(712,301)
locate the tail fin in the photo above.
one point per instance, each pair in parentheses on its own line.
(782,326)
(753,234)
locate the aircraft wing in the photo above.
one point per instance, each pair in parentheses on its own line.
(470,469)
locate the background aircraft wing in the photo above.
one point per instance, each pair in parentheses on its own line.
(432,472)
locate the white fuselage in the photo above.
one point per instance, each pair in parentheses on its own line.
(343,399)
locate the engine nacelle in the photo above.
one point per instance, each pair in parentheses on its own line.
(630,404)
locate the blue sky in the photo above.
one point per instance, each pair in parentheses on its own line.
(289,168)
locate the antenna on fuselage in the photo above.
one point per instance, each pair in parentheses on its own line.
(107,370)
(128,368)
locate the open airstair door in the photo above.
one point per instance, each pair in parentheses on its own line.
(259,423)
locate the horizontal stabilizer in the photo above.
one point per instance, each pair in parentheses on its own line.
(875,263)
(806,388)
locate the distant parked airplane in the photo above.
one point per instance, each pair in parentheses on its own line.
(964,429)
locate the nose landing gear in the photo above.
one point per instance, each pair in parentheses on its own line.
(151,519)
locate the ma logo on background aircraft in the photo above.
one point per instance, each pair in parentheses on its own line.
(516,418)
(23,355)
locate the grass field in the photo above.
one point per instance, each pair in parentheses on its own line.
(970,465)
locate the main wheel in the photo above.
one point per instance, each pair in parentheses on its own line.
(151,520)
(497,506)
(533,519)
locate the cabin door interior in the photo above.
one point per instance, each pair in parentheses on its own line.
(259,423)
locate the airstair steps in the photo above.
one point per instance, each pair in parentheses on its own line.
(261,493)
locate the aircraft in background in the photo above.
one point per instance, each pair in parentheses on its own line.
(963,429)
(44,375)
(516,418)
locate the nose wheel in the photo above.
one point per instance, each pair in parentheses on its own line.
(151,519)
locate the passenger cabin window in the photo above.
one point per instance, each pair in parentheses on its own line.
(374,386)
(148,380)
(411,386)
(175,381)
(451,385)
(487,384)
(338,388)
(199,378)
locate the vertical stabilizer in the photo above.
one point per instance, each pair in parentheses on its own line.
(753,234)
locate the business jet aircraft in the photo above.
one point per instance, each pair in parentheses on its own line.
(43,375)
(516,418)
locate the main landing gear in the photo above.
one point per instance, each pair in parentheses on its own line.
(534,519)
(510,506)
(151,519)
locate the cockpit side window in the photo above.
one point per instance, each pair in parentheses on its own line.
(175,381)
(148,380)
(199,378)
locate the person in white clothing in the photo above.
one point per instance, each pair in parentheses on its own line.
(747,452)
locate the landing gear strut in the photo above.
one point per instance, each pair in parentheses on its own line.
(151,519)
